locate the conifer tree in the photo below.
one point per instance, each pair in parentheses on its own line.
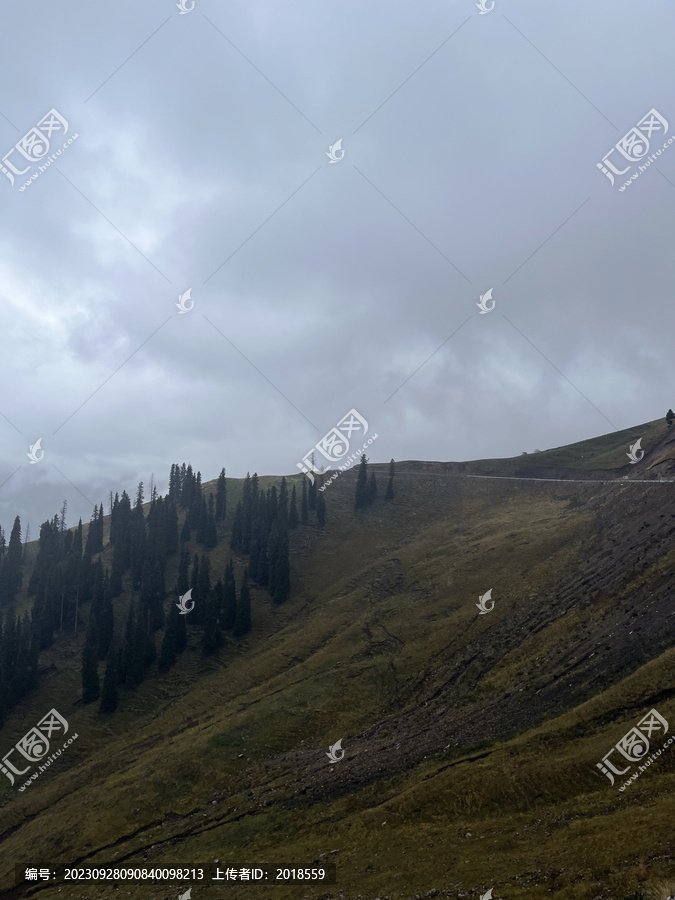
(110,680)
(221,497)
(117,569)
(91,687)
(194,575)
(202,522)
(212,637)
(185,532)
(237,538)
(170,528)
(389,494)
(12,574)
(242,624)
(183,582)
(670,415)
(137,540)
(293,517)
(304,506)
(229,609)
(283,502)
(133,649)
(361,494)
(320,510)
(311,495)
(202,592)
(167,655)
(106,622)
(211,536)
(279,561)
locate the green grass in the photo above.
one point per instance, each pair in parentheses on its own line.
(382,619)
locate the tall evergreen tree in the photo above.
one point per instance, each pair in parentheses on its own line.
(279,560)
(311,495)
(361,494)
(133,654)
(167,655)
(106,622)
(229,609)
(202,522)
(293,517)
(237,538)
(212,637)
(221,497)
(91,687)
(304,505)
(211,528)
(12,574)
(389,494)
(320,510)
(110,680)
(242,624)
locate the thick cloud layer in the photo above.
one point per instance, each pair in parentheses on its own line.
(470,148)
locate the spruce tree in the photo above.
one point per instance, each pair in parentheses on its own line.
(280,570)
(670,415)
(167,655)
(12,567)
(311,495)
(91,687)
(304,506)
(202,592)
(185,532)
(237,538)
(133,648)
(212,637)
(293,517)
(211,536)
(221,497)
(389,494)
(361,494)
(228,612)
(106,623)
(109,694)
(320,510)
(202,522)
(242,624)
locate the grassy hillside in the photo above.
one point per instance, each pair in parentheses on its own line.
(471,741)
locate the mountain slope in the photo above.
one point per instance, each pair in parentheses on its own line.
(453,723)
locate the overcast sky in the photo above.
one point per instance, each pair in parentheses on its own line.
(470,147)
